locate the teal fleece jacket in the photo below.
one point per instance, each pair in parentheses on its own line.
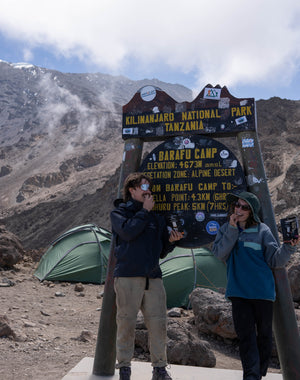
(249,255)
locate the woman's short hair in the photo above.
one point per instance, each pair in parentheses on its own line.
(133,180)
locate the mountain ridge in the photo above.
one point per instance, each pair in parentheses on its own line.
(61,148)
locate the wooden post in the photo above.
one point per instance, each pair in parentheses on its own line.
(284,321)
(105,354)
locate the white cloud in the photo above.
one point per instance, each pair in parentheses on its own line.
(221,41)
(27,54)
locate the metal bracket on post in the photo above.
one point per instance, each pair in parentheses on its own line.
(284,321)
(105,354)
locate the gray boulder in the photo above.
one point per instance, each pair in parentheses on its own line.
(5,329)
(184,347)
(212,313)
(11,250)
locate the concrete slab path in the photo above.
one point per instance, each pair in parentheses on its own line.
(143,371)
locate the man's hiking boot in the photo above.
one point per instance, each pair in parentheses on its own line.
(125,373)
(160,373)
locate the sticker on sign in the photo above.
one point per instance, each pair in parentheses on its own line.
(148,93)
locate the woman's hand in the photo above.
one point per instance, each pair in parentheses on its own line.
(233,220)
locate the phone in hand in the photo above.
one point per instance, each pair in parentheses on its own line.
(289,228)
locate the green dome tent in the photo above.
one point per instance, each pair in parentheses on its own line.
(81,255)
(186,269)
(78,255)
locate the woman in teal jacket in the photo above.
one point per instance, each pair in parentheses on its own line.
(250,251)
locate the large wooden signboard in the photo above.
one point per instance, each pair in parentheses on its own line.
(191,177)
(192,174)
(153,114)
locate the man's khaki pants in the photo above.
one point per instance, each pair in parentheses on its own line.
(132,296)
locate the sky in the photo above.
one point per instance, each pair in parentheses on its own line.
(251,47)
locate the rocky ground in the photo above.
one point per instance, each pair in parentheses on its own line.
(52,326)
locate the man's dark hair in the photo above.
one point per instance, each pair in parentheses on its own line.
(133,180)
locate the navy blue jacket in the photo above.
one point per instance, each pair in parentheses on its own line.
(141,239)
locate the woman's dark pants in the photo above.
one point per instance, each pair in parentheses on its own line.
(253,324)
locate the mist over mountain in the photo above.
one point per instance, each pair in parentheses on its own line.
(61,147)
(55,130)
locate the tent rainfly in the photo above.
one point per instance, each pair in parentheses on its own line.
(81,255)
(78,255)
(186,269)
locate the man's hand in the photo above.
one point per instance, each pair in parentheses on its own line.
(294,242)
(148,202)
(175,235)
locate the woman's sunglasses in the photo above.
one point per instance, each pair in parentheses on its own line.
(243,207)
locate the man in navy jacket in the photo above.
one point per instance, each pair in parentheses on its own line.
(142,238)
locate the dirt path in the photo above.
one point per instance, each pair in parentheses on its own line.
(56,327)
